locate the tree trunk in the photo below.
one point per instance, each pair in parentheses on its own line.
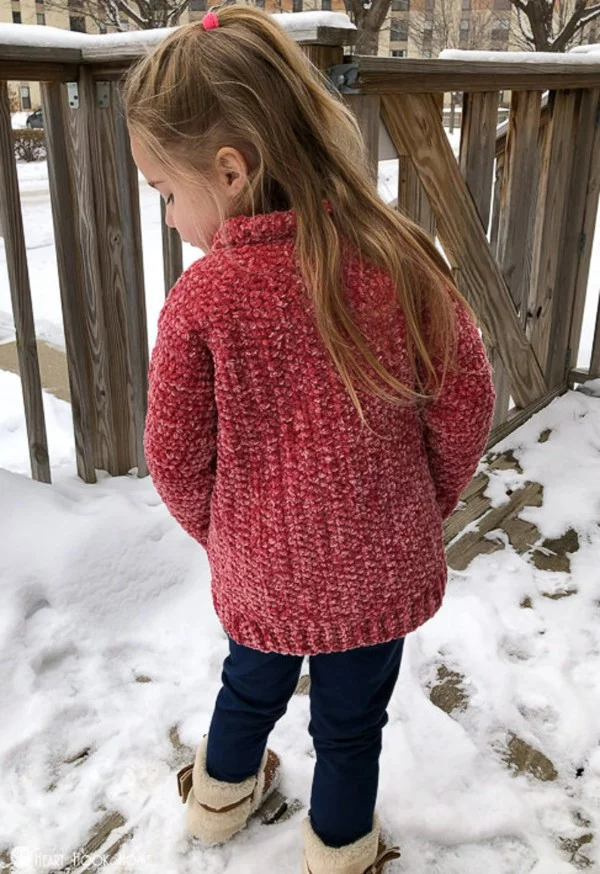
(367,42)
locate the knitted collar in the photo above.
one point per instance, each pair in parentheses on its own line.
(241,230)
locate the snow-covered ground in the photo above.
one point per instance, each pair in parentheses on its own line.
(108,640)
(100,587)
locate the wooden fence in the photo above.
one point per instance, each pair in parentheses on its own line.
(514,215)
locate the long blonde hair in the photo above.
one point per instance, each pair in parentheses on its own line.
(247,84)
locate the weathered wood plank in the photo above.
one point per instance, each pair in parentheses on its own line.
(518,196)
(133,275)
(582,196)
(39,54)
(412,200)
(476,162)
(11,221)
(85,164)
(109,198)
(38,71)
(477,148)
(586,238)
(172,252)
(550,218)
(70,274)
(413,123)
(513,216)
(324,56)
(380,75)
(366,109)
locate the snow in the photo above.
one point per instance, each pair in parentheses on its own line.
(19,119)
(521,57)
(591,47)
(114,589)
(55,37)
(298,24)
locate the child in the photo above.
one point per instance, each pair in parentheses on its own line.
(319,398)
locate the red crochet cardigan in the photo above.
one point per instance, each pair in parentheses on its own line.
(320,535)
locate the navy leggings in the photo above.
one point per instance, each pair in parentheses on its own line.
(349,695)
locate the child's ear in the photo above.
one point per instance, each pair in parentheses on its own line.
(232,170)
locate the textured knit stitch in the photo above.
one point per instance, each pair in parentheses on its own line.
(320,535)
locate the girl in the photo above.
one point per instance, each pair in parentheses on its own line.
(319,398)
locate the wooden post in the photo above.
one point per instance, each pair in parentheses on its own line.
(172,252)
(512,219)
(112,304)
(11,221)
(574,274)
(476,161)
(366,109)
(412,198)
(552,200)
(477,148)
(65,215)
(134,297)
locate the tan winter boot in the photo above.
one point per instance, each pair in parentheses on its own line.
(215,810)
(368,855)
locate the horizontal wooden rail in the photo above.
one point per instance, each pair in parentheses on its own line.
(420,76)
(59,62)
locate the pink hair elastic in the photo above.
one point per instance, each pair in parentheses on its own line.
(210,20)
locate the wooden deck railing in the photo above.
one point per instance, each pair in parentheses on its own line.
(514,215)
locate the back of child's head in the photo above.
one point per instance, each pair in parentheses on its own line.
(246,84)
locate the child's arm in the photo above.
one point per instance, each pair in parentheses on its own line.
(457,423)
(181,425)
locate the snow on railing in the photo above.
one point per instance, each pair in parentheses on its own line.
(303,27)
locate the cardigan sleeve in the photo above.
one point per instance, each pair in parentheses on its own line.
(180,439)
(456,424)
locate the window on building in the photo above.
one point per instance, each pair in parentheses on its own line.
(466,5)
(503,5)
(197,5)
(500,28)
(399,30)
(429,5)
(400,5)
(326,5)
(77,23)
(260,3)
(464,31)
(25,95)
(297,5)
(398,53)
(40,18)
(16,17)
(427,49)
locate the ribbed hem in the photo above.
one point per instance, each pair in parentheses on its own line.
(313,638)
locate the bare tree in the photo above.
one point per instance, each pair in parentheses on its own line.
(552,26)
(439,29)
(369,17)
(123,14)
